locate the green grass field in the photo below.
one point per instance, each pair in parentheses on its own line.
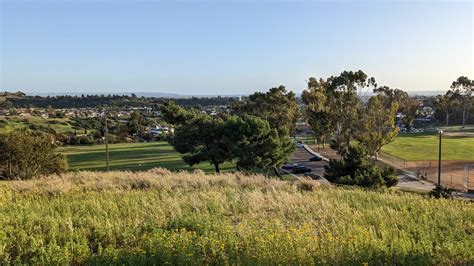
(58,124)
(159,218)
(133,156)
(416,147)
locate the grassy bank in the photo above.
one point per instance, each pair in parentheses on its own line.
(131,156)
(414,147)
(60,125)
(159,217)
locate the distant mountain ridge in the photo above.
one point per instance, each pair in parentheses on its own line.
(176,95)
(138,94)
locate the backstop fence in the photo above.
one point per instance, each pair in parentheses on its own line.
(454,174)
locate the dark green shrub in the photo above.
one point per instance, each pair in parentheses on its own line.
(25,155)
(441,192)
(354,168)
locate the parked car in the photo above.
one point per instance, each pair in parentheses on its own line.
(315,159)
(299,145)
(290,166)
(301,169)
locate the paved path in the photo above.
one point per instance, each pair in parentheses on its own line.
(405,181)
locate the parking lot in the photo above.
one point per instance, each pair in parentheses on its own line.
(301,156)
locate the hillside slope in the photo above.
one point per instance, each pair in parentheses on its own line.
(192,218)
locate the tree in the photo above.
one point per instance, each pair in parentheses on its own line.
(446,103)
(392,96)
(406,105)
(202,139)
(198,136)
(6,104)
(25,155)
(317,111)
(463,87)
(136,124)
(377,126)
(355,169)
(175,114)
(87,123)
(410,110)
(248,140)
(345,105)
(277,106)
(257,145)
(334,106)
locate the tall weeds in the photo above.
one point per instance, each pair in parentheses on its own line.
(192,218)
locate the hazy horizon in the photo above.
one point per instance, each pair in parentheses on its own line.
(233,48)
(158,94)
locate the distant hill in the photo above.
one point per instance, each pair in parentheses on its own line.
(12,94)
(125,100)
(139,94)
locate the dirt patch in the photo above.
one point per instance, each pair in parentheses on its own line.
(452,172)
(459,134)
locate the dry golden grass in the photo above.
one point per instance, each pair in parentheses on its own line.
(158,216)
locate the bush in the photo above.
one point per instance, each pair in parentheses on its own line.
(85,140)
(113,138)
(149,137)
(62,138)
(80,140)
(25,155)
(356,169)
(441,192)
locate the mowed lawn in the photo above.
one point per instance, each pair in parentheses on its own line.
(418,147)
(133,156)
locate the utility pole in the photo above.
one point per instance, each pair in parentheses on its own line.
(440,132)
(106,142)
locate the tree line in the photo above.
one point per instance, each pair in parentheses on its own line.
(255,134)
(118,101)
(459,99)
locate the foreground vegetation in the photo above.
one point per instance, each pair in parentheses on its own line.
(192,218)
(424,146)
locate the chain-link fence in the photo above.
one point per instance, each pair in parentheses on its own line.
(393,160)
(468,182)
(452,172)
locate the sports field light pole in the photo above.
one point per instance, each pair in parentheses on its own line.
(440,132)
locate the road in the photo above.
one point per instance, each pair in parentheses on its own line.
(301,156)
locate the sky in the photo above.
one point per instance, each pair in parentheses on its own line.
(230,47)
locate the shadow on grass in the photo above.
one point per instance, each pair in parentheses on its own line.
(163,257)
(133,157)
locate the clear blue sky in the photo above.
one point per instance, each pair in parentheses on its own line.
(229,47)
